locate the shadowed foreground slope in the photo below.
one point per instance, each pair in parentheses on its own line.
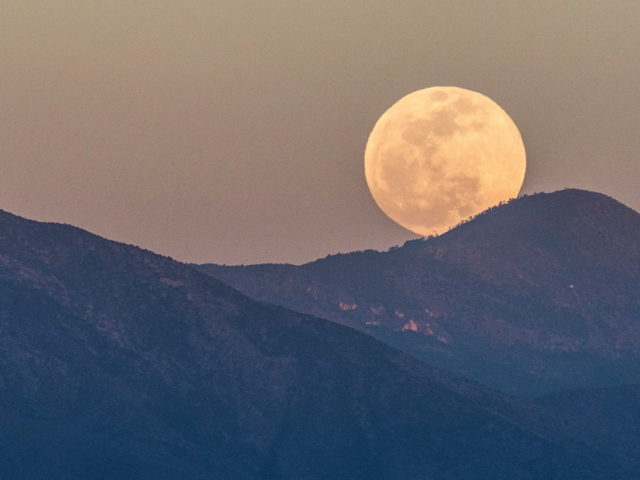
(116,363)
(539,295)
(615,409)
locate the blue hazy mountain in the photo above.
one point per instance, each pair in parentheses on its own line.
(539,295)
(116,363)
(615,410)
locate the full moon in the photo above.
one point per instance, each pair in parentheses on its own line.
(441,155)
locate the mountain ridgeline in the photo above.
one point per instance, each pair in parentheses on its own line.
(116,363)
(539,295)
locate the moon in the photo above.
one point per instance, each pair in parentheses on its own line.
(441,155)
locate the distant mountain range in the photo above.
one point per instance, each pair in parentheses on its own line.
(116,363)
(535,296)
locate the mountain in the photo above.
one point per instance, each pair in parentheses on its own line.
(116,363)
(615,409)
(539,295)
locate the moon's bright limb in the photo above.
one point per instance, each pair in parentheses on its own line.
(441,155)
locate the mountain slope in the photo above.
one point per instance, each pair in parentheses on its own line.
(538,295)
(616,409)
(116,363)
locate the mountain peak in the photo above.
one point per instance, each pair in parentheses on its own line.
(576,223)
(560,211)
(534,295)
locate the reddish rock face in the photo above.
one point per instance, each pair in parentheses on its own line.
(538,295)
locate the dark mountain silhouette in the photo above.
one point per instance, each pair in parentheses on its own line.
(538,295)
(116,363)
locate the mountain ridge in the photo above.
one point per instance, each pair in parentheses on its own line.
(117,363)
(555,275)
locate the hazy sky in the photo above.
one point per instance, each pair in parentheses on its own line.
(233,131)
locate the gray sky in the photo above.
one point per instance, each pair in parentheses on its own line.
(233,131)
